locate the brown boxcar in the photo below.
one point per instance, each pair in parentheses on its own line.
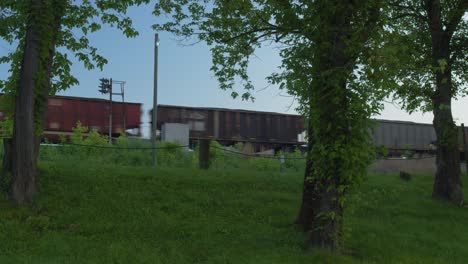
(233,125)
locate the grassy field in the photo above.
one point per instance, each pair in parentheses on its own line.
(139,215)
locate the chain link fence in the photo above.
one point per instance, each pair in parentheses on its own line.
(170,155)
(138,153)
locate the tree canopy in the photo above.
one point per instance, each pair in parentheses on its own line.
(80,19)
(326,64)
(414,65)
(45,32)
(428,44)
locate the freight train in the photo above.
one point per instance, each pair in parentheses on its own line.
(264,130)
(400,136)
(63,113)
(273,130)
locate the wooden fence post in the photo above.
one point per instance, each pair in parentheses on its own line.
(465,147)
(204,155)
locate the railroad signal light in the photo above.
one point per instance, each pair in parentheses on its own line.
(105,86)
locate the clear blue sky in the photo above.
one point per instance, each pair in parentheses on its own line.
(184,75)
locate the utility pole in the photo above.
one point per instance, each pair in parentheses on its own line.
(124,106)
(465,147)
(124,112)
(110,112)
(154,121)
(106,87)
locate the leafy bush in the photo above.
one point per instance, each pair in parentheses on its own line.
(78,133)
(95,148)
(216,152)
(264,164)
(293,160)
(170,154)
(381,151)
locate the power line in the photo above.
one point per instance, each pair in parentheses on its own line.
(109,147)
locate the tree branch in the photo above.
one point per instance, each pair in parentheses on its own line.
(279,28)
(458,49)
(413,11)
(419,17)
(371,22)
(246,33)
(457,17)
(433,12)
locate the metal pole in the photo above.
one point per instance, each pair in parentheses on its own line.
(155,99)
(110,112)
(204,154)
(282,163)
(124,111)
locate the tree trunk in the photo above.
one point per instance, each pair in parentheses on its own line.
(6,166)
(304,221)
(321,188)
(24,168)
(321,212)
(32,95)
(41,112)
(329,217)
(333,129)
(6,162)
(447,183)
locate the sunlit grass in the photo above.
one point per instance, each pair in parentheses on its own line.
(105,214)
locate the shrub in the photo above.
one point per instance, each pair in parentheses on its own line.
(265,164)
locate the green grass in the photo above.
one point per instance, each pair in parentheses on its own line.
(89,214)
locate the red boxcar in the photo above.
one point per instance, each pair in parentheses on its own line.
(63,112)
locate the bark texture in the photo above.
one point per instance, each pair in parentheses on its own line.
(43,95)
(324,212)
(337,48)
(6,165)
(42,31)
(24,167)
(447,183)
(304,220)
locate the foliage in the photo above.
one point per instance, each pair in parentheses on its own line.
(239,146)
(411,59)
(45,32)
(291,159)
(216,151)
(381,151)
(5,178)
(5,183)
(170,153)
(428,67)
(76,21)
(325,50)
(78,133)
(92,148)
(95,139)
(264,164)
(6,127)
